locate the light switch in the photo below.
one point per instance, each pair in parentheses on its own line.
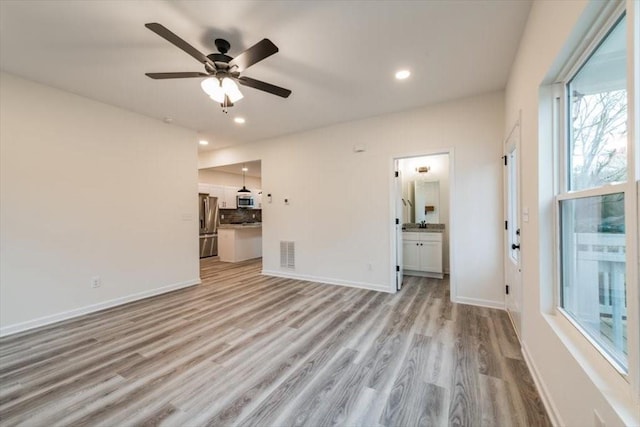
(525,214)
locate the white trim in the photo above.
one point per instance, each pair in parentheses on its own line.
(633,170)
(70,314)
(613,188)
(608,14)
(327,281)
(620,369)
(551,408)
(479,302)
(612,386)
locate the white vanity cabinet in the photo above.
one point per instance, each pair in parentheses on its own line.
(422,253)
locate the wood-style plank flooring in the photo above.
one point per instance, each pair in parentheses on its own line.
(248,350)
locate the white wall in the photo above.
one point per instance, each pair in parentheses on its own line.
(574,378)
(439,171)
(229,179)
(340,212)
(89,190)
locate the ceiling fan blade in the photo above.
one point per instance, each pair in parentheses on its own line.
(256,53)
(175,75)
(267,87)
(163,32)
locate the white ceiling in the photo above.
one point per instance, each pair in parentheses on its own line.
(254,168)
(338,57)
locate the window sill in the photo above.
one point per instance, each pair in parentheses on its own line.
(612,385)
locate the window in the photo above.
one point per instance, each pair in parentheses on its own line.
(593,191)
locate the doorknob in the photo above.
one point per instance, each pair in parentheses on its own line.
(514,246)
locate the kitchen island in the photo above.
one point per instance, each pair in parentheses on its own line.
(239,242)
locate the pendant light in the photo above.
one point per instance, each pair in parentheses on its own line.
(244,189)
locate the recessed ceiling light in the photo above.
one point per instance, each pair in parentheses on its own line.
(403,74)
(239,120)
(245,169)
(203,142)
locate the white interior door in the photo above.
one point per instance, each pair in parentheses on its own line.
(398,225)
(512,262)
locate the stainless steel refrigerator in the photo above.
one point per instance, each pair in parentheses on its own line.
(209,221)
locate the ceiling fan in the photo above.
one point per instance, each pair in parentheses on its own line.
(222,71)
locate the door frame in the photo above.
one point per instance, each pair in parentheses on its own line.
(393,198)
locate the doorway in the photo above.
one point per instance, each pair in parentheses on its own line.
(422,211)
(234,198)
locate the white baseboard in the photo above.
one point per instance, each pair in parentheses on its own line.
(479,302)
(328,281)
(542,389)
(65,315)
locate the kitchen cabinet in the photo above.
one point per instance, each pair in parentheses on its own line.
(217,191)
(203,188)
(230,200)
(226,195)
(422,254)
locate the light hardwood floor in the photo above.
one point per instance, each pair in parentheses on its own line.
(243,349)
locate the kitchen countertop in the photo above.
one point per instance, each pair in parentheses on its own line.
(240,226)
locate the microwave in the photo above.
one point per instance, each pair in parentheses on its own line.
(245,200)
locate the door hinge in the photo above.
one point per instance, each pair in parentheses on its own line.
(397,221)
(397,268)
(396,174)
(505,159)
(506,225)
(506,289)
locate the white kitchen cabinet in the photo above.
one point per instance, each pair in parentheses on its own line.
(226,195)
(422,254)
(217,191)
(203,188)
(230,198)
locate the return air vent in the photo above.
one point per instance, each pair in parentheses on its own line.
(287,255)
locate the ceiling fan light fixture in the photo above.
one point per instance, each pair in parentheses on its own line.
(231,89)
(211,87)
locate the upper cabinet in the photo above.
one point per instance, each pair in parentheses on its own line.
(226,195)
(203,189)
(230,198)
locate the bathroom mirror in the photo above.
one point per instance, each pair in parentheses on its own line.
(426,201)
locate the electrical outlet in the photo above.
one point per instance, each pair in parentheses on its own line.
(96,282)
(253,216)
(221,216)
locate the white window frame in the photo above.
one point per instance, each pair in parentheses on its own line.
(630,188)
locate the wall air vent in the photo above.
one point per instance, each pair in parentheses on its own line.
(287,255)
